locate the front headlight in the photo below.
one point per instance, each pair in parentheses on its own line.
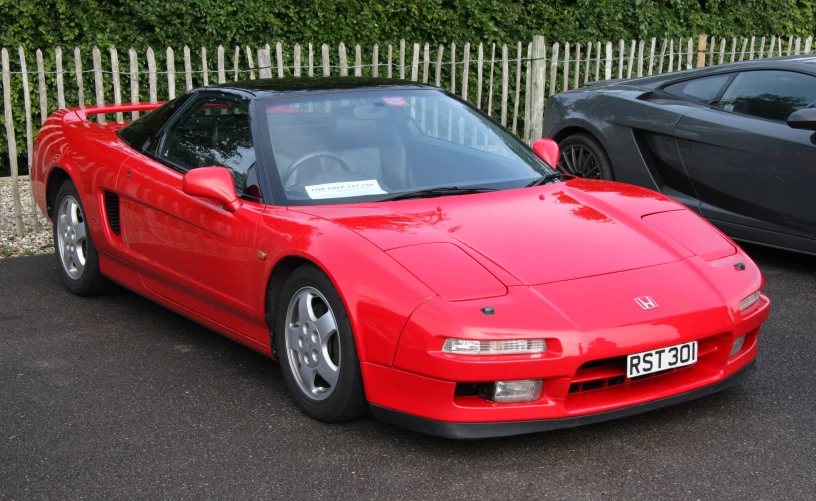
(749,301)
(509,347)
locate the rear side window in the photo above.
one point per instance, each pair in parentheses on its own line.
(141,130)
(703,90)
(772,95)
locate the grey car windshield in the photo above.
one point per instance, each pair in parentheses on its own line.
(355,146)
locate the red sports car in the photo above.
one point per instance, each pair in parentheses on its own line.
(399,252)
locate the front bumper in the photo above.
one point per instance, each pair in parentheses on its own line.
(449,429)
(588,338)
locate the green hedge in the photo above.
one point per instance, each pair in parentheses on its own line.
(159,23)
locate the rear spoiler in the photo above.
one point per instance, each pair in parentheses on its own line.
(82,113)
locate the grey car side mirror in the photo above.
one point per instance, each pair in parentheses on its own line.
(803,119)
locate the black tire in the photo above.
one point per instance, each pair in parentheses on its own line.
(346,399)
(583,156)
(89,281)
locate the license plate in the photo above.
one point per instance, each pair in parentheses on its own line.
(648,362)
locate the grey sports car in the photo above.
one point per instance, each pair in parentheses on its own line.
(734,142)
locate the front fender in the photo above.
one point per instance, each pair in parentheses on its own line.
(377,292)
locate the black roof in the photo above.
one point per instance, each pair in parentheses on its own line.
(804,63)
(277,86)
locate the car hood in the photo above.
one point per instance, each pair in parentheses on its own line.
(528,236)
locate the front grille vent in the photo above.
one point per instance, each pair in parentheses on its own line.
(112,208)
(608,372)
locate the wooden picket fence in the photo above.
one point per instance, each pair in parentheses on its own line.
(512,87)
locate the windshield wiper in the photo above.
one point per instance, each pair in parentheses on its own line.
(546,179)
(438,192)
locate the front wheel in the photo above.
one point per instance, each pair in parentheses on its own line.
(77,259)
(583,156)
(316,348)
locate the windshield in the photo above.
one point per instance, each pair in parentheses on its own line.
(360,146)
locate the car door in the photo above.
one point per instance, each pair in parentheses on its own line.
(189,250)
(749,168)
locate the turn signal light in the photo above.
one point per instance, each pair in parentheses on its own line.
(749,301)
(509,347)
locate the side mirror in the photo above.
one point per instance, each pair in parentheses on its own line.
(548,150)
(803,119)
(214,183)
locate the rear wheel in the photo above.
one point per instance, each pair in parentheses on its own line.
(77,259)
(583,156)
(316,348)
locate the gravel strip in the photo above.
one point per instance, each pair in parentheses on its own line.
(30,243)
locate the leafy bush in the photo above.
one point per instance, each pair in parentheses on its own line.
(158,23)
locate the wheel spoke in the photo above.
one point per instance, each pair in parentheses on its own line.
(305,311)
(593,169)
(307,375)
(328,372)
(586,161)
(73,213)
(565,159)
(294,332)
(580,157)
(79,231)
(326,325)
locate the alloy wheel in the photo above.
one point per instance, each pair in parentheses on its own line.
(313,343)
(71,237)
(580,161)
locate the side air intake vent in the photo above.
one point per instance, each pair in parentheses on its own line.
(112,208)
(663,160)
(649,159)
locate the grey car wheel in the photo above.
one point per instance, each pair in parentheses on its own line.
(316,347)
(71,237)
(583,156)
(312,343)
(77,259)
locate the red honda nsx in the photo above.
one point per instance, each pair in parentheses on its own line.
(400,253)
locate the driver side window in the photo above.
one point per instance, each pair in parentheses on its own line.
(772,95)
(214,131)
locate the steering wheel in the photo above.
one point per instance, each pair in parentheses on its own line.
(309,156)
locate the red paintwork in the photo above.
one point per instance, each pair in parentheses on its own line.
(548,150)
(561,261)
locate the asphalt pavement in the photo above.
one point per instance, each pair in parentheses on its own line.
(118,398)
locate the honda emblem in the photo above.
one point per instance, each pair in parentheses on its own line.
(646,302)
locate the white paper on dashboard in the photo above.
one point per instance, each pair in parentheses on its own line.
(345,189)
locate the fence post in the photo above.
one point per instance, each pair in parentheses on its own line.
(539,68)
(375,60)
(296,60)
(12,146)
(29,137)
(222,70)
(608,67)
(134,80)
(701,50)
(41,84)
(78,69)
(117,83)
